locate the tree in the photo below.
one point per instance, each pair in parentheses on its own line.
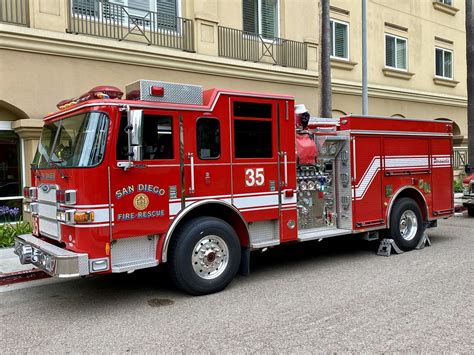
(325,97)
(470,79)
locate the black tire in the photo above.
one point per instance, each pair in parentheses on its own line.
(470,211)
(407,209)
(182,256)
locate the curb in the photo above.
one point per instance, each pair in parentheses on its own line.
(22,276)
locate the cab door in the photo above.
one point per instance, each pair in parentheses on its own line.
(142,196)
(206,156)
(255,170)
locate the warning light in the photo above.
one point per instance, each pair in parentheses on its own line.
(157,91)
(99,92)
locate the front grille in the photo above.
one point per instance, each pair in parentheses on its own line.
(47,208)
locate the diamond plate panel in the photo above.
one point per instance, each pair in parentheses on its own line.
(133,251)
(264,231)
(173,92)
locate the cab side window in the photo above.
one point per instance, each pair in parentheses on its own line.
(157,138)
(208,138)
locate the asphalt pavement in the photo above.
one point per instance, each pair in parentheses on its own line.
(332,296)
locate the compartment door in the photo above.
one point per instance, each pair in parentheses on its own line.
(442,176)
(367,182)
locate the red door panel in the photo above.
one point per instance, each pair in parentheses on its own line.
(367,184)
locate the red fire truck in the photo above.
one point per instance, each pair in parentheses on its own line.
(198,179)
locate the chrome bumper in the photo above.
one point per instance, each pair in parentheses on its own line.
(51,259)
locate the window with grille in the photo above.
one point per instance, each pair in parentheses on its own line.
(138,10)
(339,39)
(446,2)
(395,52)
(444,63)
(261,17)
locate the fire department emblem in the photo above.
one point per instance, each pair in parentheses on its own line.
(141,201)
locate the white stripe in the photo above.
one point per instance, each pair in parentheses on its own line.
(368,177)
(88,225)
(86,206)
(406,162)
(255,201)
(258,209)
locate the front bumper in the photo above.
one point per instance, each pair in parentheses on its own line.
(51,259)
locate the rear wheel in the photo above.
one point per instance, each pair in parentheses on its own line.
(406,224)
(204,256)
(470,211)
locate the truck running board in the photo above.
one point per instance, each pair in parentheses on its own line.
(321,233)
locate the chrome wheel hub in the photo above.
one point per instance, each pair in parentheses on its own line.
(210,257)
(408,225)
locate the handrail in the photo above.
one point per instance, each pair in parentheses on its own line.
(249,46)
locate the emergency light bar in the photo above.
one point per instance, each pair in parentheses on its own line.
(98,92)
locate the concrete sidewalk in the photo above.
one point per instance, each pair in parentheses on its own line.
(9,262)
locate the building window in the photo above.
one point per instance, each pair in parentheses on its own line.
(208,138)
(446,2)
(339,39)
(167,11)
(261,17)
(444,63)
(10,177)
(395,52)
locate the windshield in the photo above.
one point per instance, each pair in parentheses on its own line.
(77,141)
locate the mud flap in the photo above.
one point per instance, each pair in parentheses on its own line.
(244,269)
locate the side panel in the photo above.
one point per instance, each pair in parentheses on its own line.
(367,182)
(442,177)
(288,211)
(211,176)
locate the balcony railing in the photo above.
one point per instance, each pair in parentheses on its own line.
(248,46)
(460,157)
(102,18)
(14,12)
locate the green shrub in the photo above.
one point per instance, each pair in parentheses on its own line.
(458,186)
(9,230)
(12,226)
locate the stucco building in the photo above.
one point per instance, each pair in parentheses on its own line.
(51,50)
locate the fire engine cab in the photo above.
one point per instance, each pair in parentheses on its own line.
(198,179)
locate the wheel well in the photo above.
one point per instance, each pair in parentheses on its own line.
(216,209)
(414,194)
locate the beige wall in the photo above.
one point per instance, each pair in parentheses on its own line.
(43,64)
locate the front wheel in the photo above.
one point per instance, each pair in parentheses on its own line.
(204,256)
(406,224)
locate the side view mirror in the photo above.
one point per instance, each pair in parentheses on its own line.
(135,137)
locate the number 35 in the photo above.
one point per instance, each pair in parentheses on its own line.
(254,177)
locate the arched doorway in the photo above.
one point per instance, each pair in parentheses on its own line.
(11,165)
